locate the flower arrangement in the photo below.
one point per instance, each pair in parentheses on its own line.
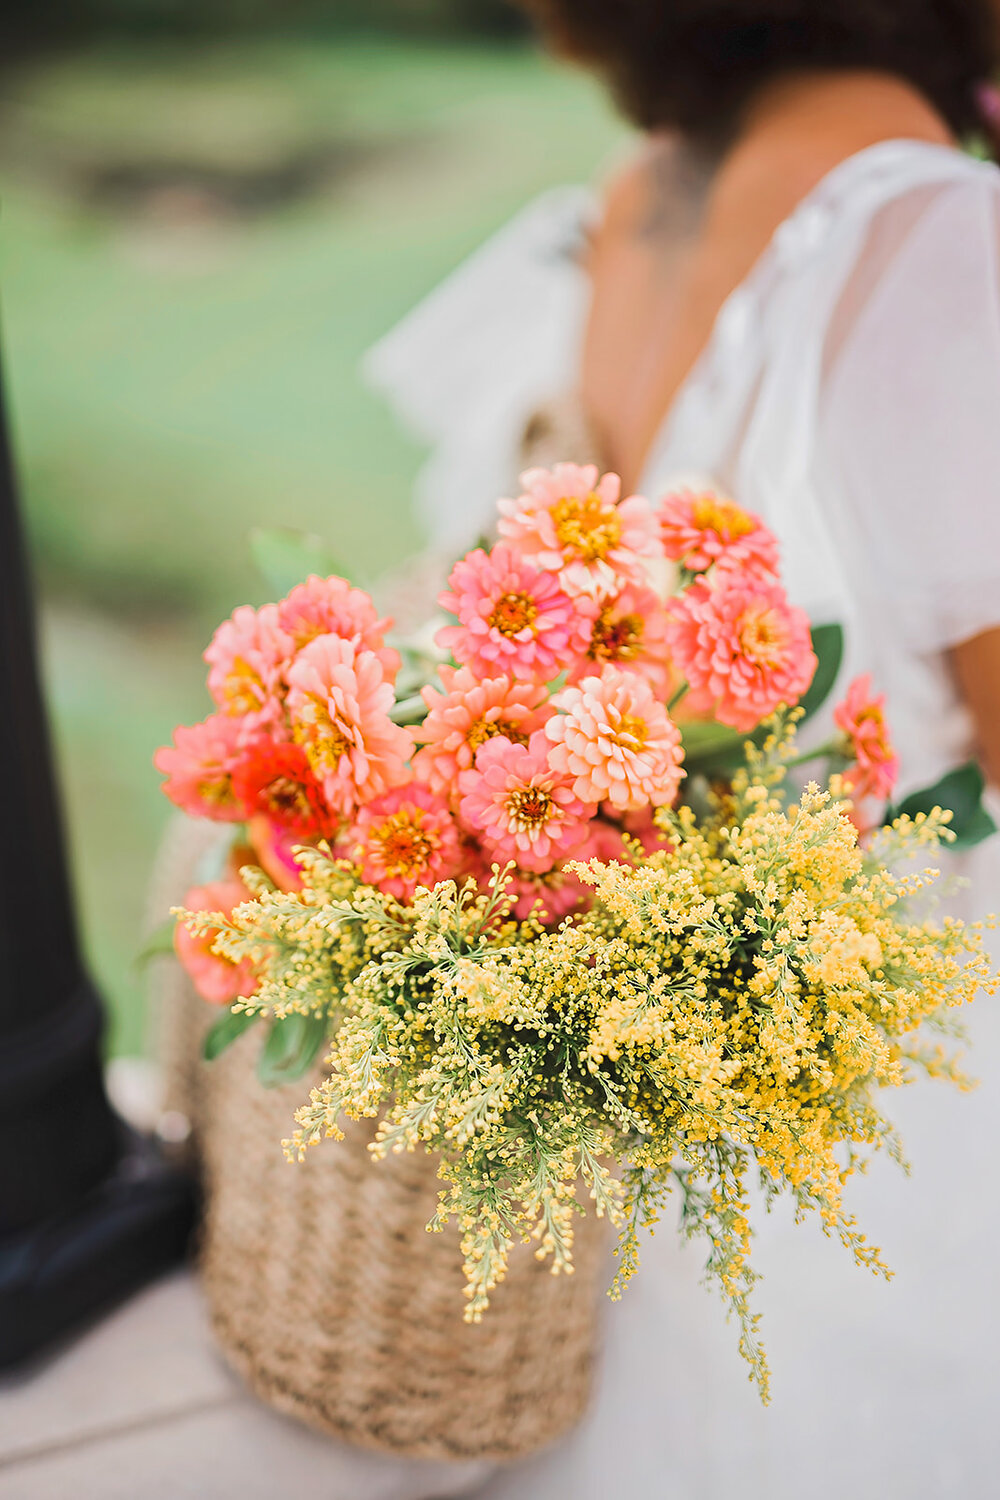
(560,916)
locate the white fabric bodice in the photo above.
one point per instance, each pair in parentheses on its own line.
(850,394)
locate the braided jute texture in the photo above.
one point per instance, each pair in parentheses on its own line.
(330,1297)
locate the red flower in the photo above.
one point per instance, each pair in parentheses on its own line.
(276,780)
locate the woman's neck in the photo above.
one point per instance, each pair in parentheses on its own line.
(800,127)
(660,277)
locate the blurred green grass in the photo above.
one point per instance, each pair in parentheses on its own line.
(182,357)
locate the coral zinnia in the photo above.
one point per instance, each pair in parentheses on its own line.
(861,718)
(216,978)
(199,768)
(742,647)
(616,741)
(339,704)
(246,657)
(467,714)
(405,839)
(513,618)
(521,806)
(629,631)
(571,522)
(330,606)
(702,529)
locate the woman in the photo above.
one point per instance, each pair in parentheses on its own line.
(794,289)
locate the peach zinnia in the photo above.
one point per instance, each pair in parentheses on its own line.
(246,657)
(521,806)
(467,714)
(702,529)
(513,618)
(331,606)
(742,647)
(199,768)
(570,521)
(339,703)
(861,719)
(617,742)
(405,839)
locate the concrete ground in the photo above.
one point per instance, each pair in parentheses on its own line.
(143,1408)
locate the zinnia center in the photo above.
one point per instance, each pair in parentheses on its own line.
(615,640)
(513,613)
(763,638)
(321,737)
(632,732)
(401,846)
(283,795)
(217,790)
(721,516)
(529,808)
(243,690)
(487,729)
(587,528)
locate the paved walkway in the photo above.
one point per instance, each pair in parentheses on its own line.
(142,1408)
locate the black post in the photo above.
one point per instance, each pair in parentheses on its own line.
(86,1211)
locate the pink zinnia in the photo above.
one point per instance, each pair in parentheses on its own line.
(339,703)
(617,742)
(629,631)
(861,718)
(521,806)
(405,839)
(571,522)
(702,529)
(514,619)
(247,656)
(467,714)
(199,768)
(330,606)
(742,647)
(216,978)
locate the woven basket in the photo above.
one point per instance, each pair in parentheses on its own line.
(326,1291)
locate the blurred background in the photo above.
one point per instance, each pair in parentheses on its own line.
(210,209)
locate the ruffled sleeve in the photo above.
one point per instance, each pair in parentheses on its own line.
(468,366)
(910,427)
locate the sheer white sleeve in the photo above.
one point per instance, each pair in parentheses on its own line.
(465,369)
(910,424)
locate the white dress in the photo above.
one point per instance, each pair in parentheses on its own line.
(850,395)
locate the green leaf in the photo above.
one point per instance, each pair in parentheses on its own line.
(285,557)
(225,1031)
(291,1048)
(160,940)
(706,737)
(961,791)
(828,644)
(712,749)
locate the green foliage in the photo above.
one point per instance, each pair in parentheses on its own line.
(960,792)
(292,1046)
(225,1031)
(828,644)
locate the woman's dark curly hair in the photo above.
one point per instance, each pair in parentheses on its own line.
(694,65)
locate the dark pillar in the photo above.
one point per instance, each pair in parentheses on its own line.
(86,1211)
